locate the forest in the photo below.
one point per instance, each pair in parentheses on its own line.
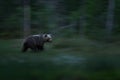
(95,19)
(85,46)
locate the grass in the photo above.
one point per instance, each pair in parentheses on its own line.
(64,59)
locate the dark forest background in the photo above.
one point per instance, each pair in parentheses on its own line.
(95,19)
(85,46)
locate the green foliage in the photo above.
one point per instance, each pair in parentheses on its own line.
(51,64)
(64,13)
(100,60)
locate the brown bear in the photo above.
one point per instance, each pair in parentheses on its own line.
(36,42)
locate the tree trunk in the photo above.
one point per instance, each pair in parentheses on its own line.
(82,25)
(82,19)
(51,7)
(27,18)
(110,18)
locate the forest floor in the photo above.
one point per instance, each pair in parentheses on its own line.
(63,59)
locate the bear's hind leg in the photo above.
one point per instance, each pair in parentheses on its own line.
(24,49)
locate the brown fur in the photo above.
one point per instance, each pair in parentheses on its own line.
(35,43)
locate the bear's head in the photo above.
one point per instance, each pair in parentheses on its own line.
(47,37)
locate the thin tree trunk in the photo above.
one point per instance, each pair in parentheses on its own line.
(82,25)
(51,6)
(82,20)
(110,18)
(27,18)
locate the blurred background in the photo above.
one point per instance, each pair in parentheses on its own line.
(86,39)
